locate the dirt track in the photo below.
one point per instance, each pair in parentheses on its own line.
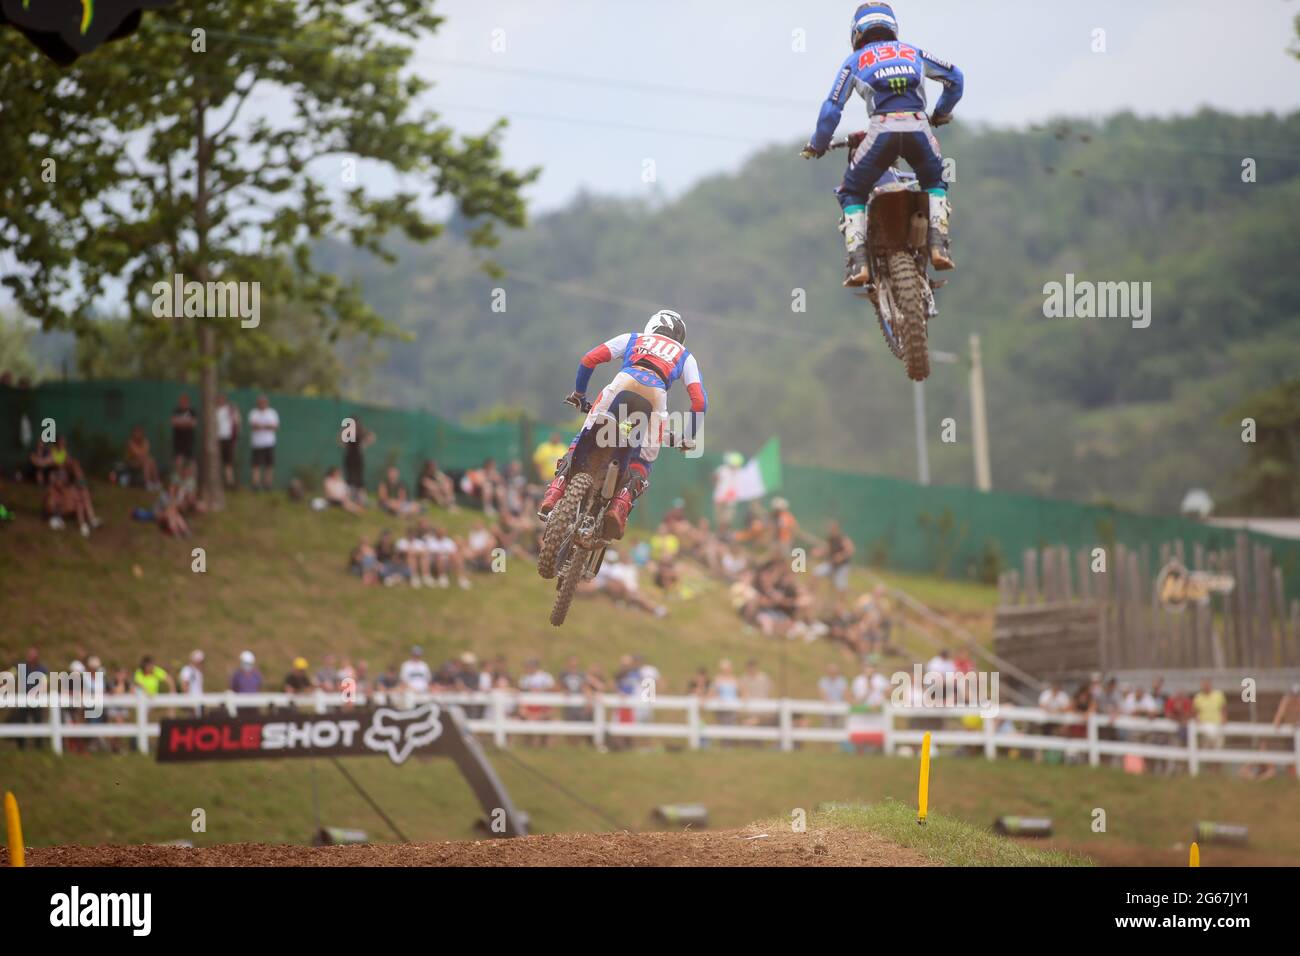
(746,847)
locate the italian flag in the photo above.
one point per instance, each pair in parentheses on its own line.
(761,474)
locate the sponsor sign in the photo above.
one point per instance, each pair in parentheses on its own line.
(1176,587)
(393,732)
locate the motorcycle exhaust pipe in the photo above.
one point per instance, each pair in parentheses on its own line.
(918,236)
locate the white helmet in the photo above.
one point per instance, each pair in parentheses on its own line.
(668,323)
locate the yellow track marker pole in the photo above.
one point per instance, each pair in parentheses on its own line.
(14,827)
(1194,858)
(923,791)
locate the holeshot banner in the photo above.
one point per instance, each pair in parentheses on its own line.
(396,733)
(387,731)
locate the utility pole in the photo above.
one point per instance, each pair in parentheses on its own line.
(979,420)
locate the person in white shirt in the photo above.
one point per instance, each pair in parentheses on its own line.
(413,549)
(1054,700)
(870,687)
(228,421)
(537,681)
(264,422)
(941,663)
(415,674)
(445,555)
(192,675)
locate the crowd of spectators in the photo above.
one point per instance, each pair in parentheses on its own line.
(637,682)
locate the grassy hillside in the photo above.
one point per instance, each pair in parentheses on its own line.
(276,583)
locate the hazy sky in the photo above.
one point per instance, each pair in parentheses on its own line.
(593,88)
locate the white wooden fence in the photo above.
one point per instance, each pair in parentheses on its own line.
(700,722)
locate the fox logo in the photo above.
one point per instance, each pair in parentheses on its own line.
(400,732)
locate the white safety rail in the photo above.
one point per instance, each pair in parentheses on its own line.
(499,715)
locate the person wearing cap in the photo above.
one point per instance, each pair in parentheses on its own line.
(247,679)
(191,675)
(415,674)
(298,681)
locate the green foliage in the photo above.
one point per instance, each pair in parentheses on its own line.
(151,158)
(1270,483)
(15,348)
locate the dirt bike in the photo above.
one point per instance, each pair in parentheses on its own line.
(898,220)
(573,546)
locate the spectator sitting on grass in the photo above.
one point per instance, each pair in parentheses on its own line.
(167,511)
(76,477)
(42,462)
(139,460)
(337,492)
(514,489)
(433,485)
(485,485)
(59,501)
(666,575)
(412,549)
(188,499)
(836,557)
(446,557)
(618,580)
(392,495)
(392,566)
(247,679)
(479,546)
(364,563)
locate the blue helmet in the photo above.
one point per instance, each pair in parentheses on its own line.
(873,21)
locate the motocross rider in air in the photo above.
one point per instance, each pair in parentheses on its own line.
(890,76)
(651,361)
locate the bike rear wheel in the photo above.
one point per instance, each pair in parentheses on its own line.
(561,523)
(906,281)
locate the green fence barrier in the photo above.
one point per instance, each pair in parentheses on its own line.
(98,416)
(951,531)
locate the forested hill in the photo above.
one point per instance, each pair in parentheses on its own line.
(1083,408)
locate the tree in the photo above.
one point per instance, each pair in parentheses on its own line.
(1271,481)
(149,159)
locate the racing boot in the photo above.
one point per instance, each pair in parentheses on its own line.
(857,269)
(616,514)
(938,235)
(554,492)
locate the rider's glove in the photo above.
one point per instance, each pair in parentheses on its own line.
(937,120)
(812,152)
(576,399)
